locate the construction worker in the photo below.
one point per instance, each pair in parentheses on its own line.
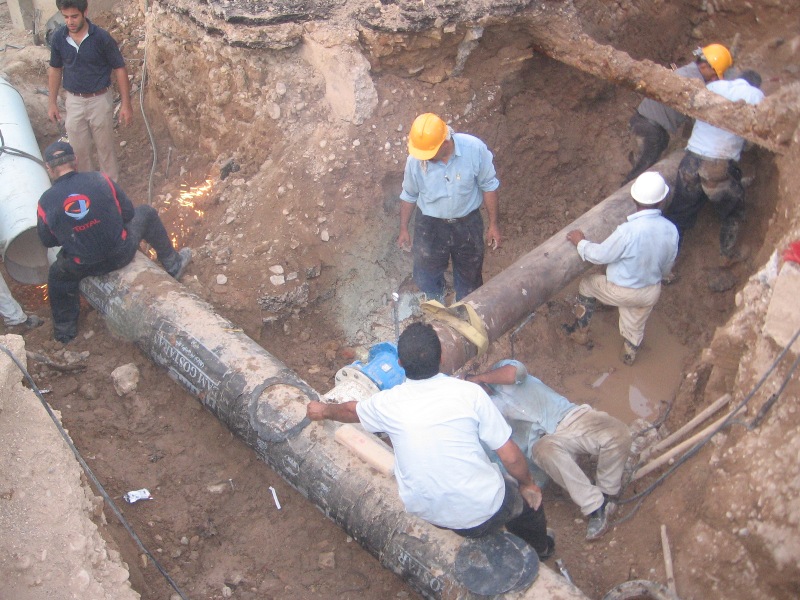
(709,171)
(447,177)
(439,426)
(85,56)
(12,312)
(556,432)
(99,231)
(639,254)
(653,122)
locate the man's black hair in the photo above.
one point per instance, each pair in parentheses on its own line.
(81,5)
(420,351)
(752,77)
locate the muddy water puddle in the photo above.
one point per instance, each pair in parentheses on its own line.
(627,392)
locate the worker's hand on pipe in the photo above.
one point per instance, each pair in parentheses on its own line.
(532,495)
(53,113)
(493,238)
(315,411)
(404,240)
(575,236)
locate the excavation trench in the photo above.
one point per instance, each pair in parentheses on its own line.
(316,131)
(263,402)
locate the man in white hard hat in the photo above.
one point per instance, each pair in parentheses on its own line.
(639,254)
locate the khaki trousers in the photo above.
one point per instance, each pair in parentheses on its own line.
(90,122)
(635,304)
(593,432)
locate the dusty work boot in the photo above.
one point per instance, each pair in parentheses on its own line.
(177,263)
(628,352)
(734,256)
(33,321)
(578,331)
(598,523)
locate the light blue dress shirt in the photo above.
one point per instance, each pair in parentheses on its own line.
(454,189)
(531,407)
(713,142)
(639,253)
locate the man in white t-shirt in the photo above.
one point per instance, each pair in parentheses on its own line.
(437,424)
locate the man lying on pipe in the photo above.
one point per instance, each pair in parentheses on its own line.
(436,424)
(556,431)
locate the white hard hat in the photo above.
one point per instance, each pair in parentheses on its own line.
(649,188)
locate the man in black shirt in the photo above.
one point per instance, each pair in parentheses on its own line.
(99,231)
(83,58)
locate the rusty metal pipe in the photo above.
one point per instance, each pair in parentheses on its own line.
(513,294)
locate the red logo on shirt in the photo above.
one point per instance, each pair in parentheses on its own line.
(76,206)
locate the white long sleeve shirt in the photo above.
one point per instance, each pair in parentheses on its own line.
(714,142)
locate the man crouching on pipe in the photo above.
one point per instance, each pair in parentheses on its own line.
(436,424)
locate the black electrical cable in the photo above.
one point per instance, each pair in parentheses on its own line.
(91,475)
(16,152)
(728,421)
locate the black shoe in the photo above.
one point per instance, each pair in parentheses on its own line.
(177,266)
(64,338)
(551,546)
(65,333)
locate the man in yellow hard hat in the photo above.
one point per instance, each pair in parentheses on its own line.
(653,122)
(447,177)
(709,171)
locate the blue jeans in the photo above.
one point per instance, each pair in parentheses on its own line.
(436,242)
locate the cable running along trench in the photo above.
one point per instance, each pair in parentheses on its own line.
(91,474)
(730,420)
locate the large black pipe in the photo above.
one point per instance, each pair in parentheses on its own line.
(264,402)
(512,295)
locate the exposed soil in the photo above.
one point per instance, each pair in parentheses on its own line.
(316,194)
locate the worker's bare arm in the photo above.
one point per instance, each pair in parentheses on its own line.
(344,413)
(516,465)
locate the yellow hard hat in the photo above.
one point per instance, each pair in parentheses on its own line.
(717,56)
(428,132)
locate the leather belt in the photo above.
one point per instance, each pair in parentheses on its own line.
(90,94)
(459,219)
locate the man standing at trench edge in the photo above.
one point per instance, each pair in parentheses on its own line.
(82,57)
(447,177)
(437,425)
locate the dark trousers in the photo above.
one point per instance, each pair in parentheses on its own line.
(522,521)
(651,141)
(63,282)
(702,180)
(436,242)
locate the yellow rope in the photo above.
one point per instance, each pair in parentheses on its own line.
(473,329)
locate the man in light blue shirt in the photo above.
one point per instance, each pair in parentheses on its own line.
(709,171)
(447,177)
(639,254)
(556,431)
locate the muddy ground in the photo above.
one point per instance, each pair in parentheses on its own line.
(317,196)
